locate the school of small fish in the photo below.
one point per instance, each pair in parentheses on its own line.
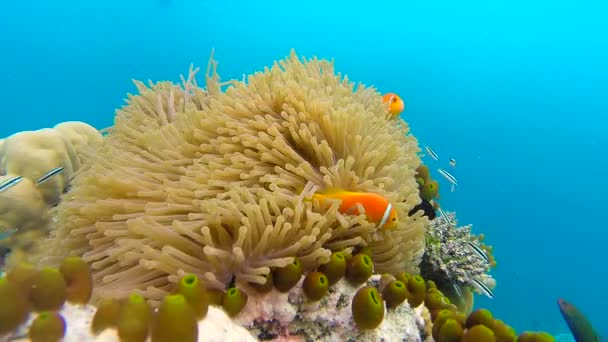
(396,106)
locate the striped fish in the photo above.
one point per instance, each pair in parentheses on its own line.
(10,183)
(482,287)
(457,289)
(431,153)
(8,233)
(443,214)
(449,177)
(479,251)
(49,174)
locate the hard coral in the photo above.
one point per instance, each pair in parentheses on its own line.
(27,156)
(203,181)
(450,260)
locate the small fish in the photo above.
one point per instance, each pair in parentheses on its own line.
(426,207)
(457,289)
(479,251)
(7,234)
(431,153)
(449,177)
(483,288)
(377,208)
(10,183)
(452,162)
(444,215)
(396,104)
(577,322)
(49,174)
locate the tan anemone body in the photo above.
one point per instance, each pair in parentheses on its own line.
(212,182)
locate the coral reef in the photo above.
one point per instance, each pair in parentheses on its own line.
(197,212)
(212,182)
(452,261)
(24,158)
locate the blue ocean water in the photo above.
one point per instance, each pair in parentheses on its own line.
(515,90)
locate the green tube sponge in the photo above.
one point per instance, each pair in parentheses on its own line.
(478,333)
(194,292)
(234,301)
(451,331)
(431,285)
(48,291)
(106,315)
(366,250)
(404,277)
(429,190)
(134,319)
(443,316)
(435,300)
(335,269)
(359,268)
(528,336)
(480,316)
(175,321)
(23,274)
(315,285)
(78,279)
(417,289)
(395,293)
(266,287)
(47,327)
(367,308)
(215,297)
(15,307)
(423,172)
(503,332)
(287,277)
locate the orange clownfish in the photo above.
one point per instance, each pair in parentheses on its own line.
(395,103)
(377,208)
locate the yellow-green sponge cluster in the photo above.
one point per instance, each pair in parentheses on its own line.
(175,320)
(452,325)
(26,288)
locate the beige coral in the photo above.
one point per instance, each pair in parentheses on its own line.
(31,154)
(212,182)
(24,207)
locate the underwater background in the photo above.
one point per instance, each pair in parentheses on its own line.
(515,91)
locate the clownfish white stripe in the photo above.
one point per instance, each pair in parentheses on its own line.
(387,213)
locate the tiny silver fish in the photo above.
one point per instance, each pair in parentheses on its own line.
(479,251)
(431,153)
(453,162)
(449,177)
(8,233)
(483,288)
(10,183)
(49,174)
(457,289)
(443,214)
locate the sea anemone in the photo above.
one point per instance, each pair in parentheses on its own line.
(212,183)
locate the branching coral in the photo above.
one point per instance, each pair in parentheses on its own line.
(212,182)
(450,258)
